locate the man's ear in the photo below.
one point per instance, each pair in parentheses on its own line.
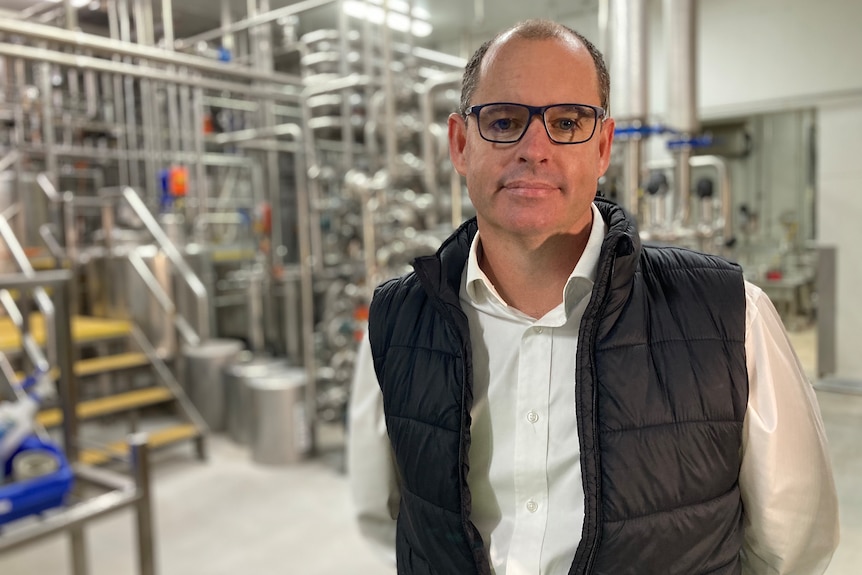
(458,142)
(606,140)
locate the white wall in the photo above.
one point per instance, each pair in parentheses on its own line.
(769,54)
(766,55)
(840,223)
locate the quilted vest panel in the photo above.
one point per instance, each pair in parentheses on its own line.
(661,395)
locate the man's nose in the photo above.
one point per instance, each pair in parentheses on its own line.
(536,144)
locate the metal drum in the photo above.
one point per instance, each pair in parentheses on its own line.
(204,383)
(238,402)
(280,434)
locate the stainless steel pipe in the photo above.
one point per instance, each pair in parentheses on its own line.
(626,37)
(100,65)
(158,55)
(681,21)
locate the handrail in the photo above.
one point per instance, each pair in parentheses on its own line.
(58,204)
(186,330)
(8,160)
(48,187)
(59,281)
(9,377)
(173,254)
(189,277)
(43,302)
(28,342)
(170,381)
(51,242)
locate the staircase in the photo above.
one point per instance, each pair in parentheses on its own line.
(123,384)
(121,376)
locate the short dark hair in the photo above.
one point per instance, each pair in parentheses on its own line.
(534,30)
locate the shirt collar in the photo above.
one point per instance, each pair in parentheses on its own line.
(480,287)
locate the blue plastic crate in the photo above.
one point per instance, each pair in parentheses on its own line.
(23,498)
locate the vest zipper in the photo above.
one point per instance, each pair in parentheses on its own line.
(596,458)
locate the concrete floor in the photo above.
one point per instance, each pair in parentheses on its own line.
(229,516)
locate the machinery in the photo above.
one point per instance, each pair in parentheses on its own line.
(254,182)
(740,187)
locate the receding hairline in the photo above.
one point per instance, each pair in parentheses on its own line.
(534,30)
(512,36)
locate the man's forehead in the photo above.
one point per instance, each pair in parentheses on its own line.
(509,43)
(512,41)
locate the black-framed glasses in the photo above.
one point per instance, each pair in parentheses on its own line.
(507,122)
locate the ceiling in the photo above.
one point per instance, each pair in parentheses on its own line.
(456,22)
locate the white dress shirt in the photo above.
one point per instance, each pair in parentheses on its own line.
(527,494)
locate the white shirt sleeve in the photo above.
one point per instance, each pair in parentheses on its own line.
(372,476)
(788,493)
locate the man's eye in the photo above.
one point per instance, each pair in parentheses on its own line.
(567,124)
(502,124)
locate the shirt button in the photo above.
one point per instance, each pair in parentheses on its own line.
(532,506)
(538,330)
(532,417)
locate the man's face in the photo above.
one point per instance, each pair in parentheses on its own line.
(534,187)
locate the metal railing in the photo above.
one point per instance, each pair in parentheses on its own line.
(66,202)
(123,492)
(173,254)
(43,302)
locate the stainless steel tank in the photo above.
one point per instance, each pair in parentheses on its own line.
(280,430)
(237,377)
(204,383)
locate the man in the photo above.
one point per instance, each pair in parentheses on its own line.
(548,396)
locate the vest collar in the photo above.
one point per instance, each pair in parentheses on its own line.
(443,269)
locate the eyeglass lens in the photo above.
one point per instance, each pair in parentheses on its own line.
(565,123)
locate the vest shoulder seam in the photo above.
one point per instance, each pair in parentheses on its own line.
(735,488)
(689,269)
(674,424)
(671,340)
(422,348)
(428,423)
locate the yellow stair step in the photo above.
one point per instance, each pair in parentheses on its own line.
(107,405)
(95,365)
(120,449)
(84,329)
(220,255)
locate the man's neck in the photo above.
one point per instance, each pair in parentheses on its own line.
(531,276)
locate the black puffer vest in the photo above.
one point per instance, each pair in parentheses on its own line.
(661,395)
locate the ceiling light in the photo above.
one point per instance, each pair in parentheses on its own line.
(397,18)
(75,3)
